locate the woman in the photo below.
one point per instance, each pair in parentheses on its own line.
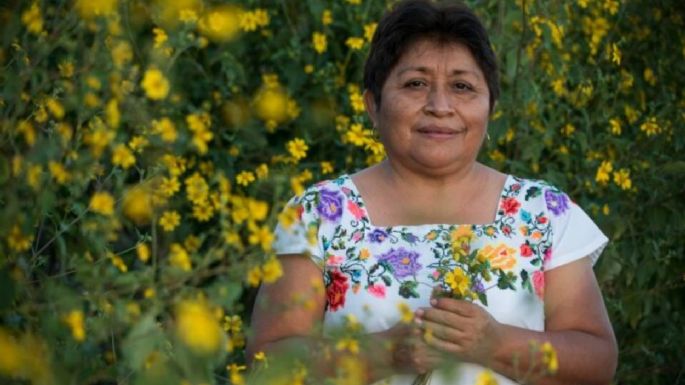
(377,237)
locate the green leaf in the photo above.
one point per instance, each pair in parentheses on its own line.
(144,338)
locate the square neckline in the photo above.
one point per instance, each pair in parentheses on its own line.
(347,180)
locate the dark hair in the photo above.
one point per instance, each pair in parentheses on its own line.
(412,20)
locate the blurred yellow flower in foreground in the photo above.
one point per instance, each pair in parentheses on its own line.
(549,357)
(271,105)
(197,327)
(137,204)
(102,203)
(486,378)
(155,85)
(178,257)
(24,357)
(221,24)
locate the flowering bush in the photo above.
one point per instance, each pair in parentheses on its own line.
(148,148)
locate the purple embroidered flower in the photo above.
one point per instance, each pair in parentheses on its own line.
(556,202)
(378,236)
(403,262)
(478,286)
(330,205)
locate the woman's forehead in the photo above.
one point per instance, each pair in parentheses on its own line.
(428,56)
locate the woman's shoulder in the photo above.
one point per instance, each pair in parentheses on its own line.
(540,193)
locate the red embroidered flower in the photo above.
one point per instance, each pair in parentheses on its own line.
(355,210)
(539,283)
(335,291)
(526,251)
(510,206)
(300,210)
(542,220)
(506,230)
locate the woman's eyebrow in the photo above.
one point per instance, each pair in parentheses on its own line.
(423,69)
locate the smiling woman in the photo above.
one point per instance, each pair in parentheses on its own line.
(489,263)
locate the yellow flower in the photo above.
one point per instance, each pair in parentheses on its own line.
(66,69)
(112,113)
(169,220)
(650,126)
(615,126)
(615,54)
(622,179)
(406,315)
(326,167)
(102,203)
(347,343)
(90,9)
(32,19)
(262,171)
(486,378)
(356,99)
(244,178)
(18,241)
(271,105)
(234,374)
(354,43)
(178,257)
(261,236)
(118,262)
(165,128)
(326,17)
(649,76)
(631,114)
(74,319)
(458,281)
(55,107)
(203,212)
(497,156)
(254,276)
(197,327)
(121,53)
(549,357)
(25,127)
(369,30)
(138,143)
(143,252)
(288,217)
(354,2)
(59,172)
(169,186)
(357,135)
(603,172)
(123,157)
(155,85)
(250,21)
(221,24)
(297,148)
(568,129)
(137,205)
(33,176)
(197,188)
(319,42)
(272,270)
(160,37)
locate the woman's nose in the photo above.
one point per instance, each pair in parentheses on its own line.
(438,102)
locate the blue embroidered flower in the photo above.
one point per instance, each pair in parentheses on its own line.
(378,236)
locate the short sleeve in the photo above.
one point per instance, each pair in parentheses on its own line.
(297,230)
(575,235)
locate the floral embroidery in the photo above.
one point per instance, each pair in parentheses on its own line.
(361,259)
(402,261)
(557,202)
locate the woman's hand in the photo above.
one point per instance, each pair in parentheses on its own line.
(461,329)
(409,353)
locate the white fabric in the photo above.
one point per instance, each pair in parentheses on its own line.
(347,246)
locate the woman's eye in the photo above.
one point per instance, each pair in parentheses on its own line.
(415,83)
(462,87)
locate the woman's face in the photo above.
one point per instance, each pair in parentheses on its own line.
(434,108)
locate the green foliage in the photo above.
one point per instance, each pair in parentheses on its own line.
(119,228)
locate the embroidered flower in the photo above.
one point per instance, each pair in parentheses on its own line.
(510,206)
(539,283)
(402,261)
(336,289)
(377,290)
(330,204)
(357,211)
(556,202)
(526,251)
(378,236)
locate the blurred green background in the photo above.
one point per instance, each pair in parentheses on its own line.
(148,147)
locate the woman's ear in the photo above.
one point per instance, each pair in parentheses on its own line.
(370,104)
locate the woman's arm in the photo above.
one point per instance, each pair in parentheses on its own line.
(576,324)
(287,319)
